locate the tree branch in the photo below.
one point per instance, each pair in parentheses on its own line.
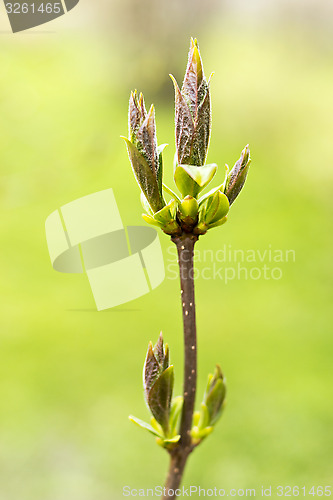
(179,455)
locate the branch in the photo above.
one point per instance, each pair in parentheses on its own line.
(185,247)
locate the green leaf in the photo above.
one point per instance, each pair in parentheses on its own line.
(204,417)
(159,398)
(172,440)
(214,401)
(214,190)
(145,177)
(217,208)
(196,418)
(210,193)
(144,425)
(218,223)
(191,179)
(209,383)
(167,214)
(189,207)
(175,411)
(171,193)
(150,220)
(155,425)
(166,357)
(203,433)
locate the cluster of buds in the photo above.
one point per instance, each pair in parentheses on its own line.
(211,407)
(158,382)
(189,212)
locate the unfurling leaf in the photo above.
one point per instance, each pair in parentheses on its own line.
(188,208)
(159,398)
(211,407)
(157,360)
(237,176)
(151,370)
(158,383)
(175,412)
(215,208)
(215,395)
(145,156)
(212,212)
(166,218)
(167,214)
(191,180)
(146,426)
(145,177)
(192,112)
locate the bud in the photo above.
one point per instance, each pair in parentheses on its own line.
(216,208)
(157,360)
(215,395)
(158,382)
(164,218)
(189,208)
(145,156)
(211,407)
(237,176)
(191,180)
(213,211)
(192,112)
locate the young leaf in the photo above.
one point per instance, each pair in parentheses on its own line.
(217,208)
(159,172)
(176,408)
(145,177)
(144,425)
(171,193)
(215,400)
(167,213)
(192,112)
(237,176)
(150,220)
(146,141)
(189,207)
(204,417)
(151,370)
(159,398)
(184,126)
(172,440)
(191,179)
(155,425)
(218,223)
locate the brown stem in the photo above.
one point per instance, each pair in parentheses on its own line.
(175,474)
(185,247)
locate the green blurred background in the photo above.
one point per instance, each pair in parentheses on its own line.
(70,376)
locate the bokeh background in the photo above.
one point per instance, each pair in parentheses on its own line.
(70,376)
